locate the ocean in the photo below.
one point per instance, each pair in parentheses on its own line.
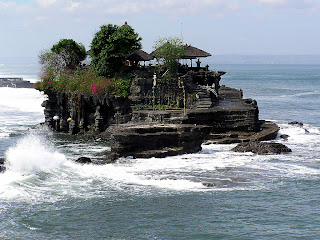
(44,194)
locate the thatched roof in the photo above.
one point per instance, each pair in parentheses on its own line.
(193,52)
(124,25)
(139,55)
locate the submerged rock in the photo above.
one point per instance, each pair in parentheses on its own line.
(111,157)
(83,160)
(2,167)
(209,184)
(296,123)
(262,148)
(284,136)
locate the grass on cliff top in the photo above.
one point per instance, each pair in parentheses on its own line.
(83,82)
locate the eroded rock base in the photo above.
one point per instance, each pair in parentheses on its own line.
(262,148)
(268,131)
(156,140)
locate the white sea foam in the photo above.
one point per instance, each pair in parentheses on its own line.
(306,135)
(21,99)
(19,109)
(287,96)
(179,173)
(4,133)
(39,172)
(32,154)
(27,162)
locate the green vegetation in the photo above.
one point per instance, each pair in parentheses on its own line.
(71,52)
(85,82)
(108,52)
(110,46)
(168,51)
(169,94)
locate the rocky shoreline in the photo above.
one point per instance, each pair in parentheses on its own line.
(221,118)
(218,115)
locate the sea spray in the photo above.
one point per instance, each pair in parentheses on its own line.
(33,153)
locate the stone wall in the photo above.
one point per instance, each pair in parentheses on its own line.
(220,108)
(80,113)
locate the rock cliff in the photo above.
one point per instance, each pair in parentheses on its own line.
(212,112)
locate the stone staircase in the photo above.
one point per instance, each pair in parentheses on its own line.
(168,117)
(202,94)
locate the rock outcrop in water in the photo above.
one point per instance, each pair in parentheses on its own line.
(2,167)
(156,140)
(262,148)
(83,160)
(15,83)
(217,114)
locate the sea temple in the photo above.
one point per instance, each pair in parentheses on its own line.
(160,114)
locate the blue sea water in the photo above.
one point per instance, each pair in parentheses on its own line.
(45,195)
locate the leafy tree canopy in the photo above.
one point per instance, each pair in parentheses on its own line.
(168,51)
(70,51)
(110,46)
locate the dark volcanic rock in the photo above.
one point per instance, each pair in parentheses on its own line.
(111,157)
(83,160)
(209,184)
(220,111)
(229,93)
(262,148)
(2,167)
(157,140)
(284,136)
(268,131)
(296,123)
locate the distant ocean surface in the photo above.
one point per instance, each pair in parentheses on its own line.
(45,195)
(26,68)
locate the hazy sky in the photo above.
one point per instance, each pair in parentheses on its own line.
(217,26)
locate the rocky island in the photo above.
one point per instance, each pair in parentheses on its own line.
(217,114)
(147,111)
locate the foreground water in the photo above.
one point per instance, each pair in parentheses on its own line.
(45,195)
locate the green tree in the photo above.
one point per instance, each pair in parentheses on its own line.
(71,52)
(110,46)
(168,51)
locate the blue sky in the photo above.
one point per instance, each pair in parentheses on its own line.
(272,27)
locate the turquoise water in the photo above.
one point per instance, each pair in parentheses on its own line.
(283,92)
(45,195)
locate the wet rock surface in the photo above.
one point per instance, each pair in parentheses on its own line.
(268,131)
(2,167)
(296,123)
(285,137)
(158,140)
(216,113)
(83,160)
(262,148)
